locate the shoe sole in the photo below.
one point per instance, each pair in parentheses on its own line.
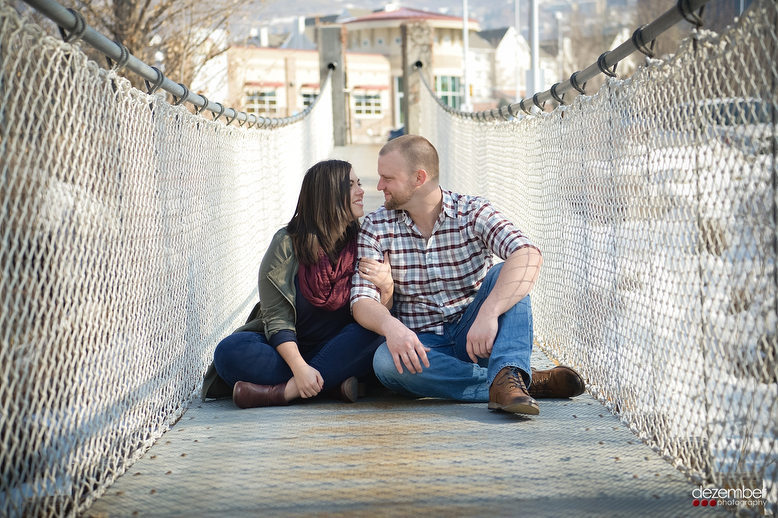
(518,408)
(350,390)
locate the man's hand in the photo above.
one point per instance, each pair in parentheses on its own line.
(516,279)
(480,337)
(406,348)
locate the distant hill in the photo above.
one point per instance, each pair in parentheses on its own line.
(491,14)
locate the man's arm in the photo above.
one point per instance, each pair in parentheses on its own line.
(516,280)
(401,341)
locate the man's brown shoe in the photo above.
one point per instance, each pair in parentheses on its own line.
(509,393)
(249,395)
(559,382)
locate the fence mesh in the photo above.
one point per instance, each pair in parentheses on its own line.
(654,204)
(132,232)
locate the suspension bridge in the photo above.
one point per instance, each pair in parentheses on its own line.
(133,229)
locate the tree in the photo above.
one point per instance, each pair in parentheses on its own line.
(185,34)
(591,34)
(668,42)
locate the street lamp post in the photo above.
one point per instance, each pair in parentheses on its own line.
(559,50)
(465,51)
(535,49)
(518,49)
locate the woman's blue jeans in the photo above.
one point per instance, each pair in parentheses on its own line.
(247,356)
(452,374)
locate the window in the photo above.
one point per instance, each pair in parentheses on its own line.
(398,40)
(379,41)
(309,95)
(447,88)
(261,102)
(367,103)
(365,43)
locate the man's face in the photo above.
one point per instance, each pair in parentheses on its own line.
(397,184)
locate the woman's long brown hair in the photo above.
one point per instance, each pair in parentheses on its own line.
(323,217)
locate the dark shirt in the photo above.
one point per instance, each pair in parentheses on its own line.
(316,325)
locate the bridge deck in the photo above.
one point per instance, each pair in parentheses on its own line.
(392,456)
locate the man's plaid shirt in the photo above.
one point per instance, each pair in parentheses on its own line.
(436,280)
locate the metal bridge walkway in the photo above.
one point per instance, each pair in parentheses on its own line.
(392,456)
(395,457)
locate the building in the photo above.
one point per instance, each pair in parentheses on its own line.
(280,82)
(283,80)
(380,33)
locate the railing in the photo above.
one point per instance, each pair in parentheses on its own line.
(73,28)
(132,232)
(654,202)
(642,41)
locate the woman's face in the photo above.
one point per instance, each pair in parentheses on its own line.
(357,196)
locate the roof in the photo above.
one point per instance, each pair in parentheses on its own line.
(273,40)
(405,13)
(298,41)
(477,42)
(315,20)
(345,14)
(494,36)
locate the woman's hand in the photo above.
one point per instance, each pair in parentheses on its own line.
(308,380)
(379,274)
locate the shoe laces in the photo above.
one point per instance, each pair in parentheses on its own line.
(541,386)
(514,379)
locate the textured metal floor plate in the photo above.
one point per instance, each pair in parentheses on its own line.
(392,456)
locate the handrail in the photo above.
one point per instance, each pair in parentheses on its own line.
(642,40)
(73,21)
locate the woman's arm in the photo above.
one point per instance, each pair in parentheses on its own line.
(379,274)
(276,290)
(308,380)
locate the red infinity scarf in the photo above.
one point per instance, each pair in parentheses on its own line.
(327,287)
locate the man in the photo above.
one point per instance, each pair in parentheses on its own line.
(463,328)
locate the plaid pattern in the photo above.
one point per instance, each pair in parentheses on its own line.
(435,281)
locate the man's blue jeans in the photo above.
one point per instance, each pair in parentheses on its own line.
(452,374)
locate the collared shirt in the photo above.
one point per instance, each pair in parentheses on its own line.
(435,280)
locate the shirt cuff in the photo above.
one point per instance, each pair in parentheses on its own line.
(284,335)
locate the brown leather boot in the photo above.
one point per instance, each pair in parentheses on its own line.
(509,393)
(249,395)
(348,390)
(559,382)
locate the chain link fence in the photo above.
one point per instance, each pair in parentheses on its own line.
(132,232)
(654,204)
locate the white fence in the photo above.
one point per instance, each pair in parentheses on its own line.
(654,204)
(132,232)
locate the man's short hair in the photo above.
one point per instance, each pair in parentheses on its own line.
(419,153)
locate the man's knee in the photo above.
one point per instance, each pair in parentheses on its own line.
(383,364)
(491,276)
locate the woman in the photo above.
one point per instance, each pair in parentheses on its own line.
(304,341)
